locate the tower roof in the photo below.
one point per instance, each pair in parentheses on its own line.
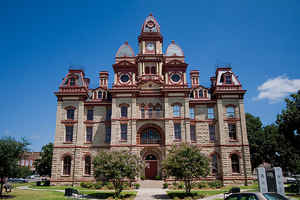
(174,50)
(150,25)
(125,51)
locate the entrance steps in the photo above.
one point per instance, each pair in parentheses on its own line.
(151,184)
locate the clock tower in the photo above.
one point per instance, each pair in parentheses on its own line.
(150,57)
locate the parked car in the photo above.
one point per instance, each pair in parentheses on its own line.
(290,180)
(255,196)
(17,180)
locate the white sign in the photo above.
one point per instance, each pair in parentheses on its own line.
(262,179)
(279,180)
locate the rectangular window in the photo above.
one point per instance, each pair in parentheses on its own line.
(176,111)
(177,131)
(124,111)
(193,133)
(212,131)
(72,82)
(108,114)
(143,112)
(89,134)
(107,134)
(123,131)
(232,131)
(69,133)
(228,79)
(70,114)
(192,113)
(210,113)
(90,115)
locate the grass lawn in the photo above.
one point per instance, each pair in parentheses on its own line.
(17,194)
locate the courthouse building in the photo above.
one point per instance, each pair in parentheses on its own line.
(150,107)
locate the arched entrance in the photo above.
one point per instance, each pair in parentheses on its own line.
(151,166)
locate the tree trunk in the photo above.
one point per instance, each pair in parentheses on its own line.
(187,184)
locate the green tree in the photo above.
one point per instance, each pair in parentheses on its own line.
(186,163)
(289,130)
(44,164)
(11,151)
(116,166)
(22,172)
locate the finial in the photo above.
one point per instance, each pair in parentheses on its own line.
(126,42)
(150,14)
(173,42)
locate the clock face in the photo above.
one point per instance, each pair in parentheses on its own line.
(124,78)
(150,46)
(175,78)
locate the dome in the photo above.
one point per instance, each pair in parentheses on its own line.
(125,51)
(174,50)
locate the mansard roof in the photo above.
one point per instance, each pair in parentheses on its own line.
(174,50)
(125,50)
(150,25)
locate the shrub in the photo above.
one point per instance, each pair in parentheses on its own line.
(215,184)
(98,185)
(142,177)
(110,186)
(126,185)
(176,198)
(157,177)
(137,185)
(165,185)
(181,185)
(201,185)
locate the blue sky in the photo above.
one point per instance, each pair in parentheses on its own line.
(41,39)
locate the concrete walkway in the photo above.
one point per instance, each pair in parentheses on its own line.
(151,189)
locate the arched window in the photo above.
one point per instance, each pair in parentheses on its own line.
(150,136)
(157,111)
(150,109)
(87,165)
(143,111)
(176,110)
(104,95)
(200,93)
(214,163)
(123,111)
(153,70)
(72,82)
(99,95)
(235,163)
(67,165)
(70,113)
(230,112)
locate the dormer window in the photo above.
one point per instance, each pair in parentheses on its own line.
(228,79)
(99,95)
(200,93)
(72,82)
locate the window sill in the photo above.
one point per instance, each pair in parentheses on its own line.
(68,142)
(233,140)
(86,175)
(88,143)
(123,141)
(194,141)
(65,175)
(177,140)
(236,174)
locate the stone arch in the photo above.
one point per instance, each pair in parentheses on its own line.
(154,126)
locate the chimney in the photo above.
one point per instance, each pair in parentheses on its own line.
(103,82)
(194,76)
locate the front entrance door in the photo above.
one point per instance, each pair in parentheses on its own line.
(151,167)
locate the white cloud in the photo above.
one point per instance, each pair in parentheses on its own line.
(277,88)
